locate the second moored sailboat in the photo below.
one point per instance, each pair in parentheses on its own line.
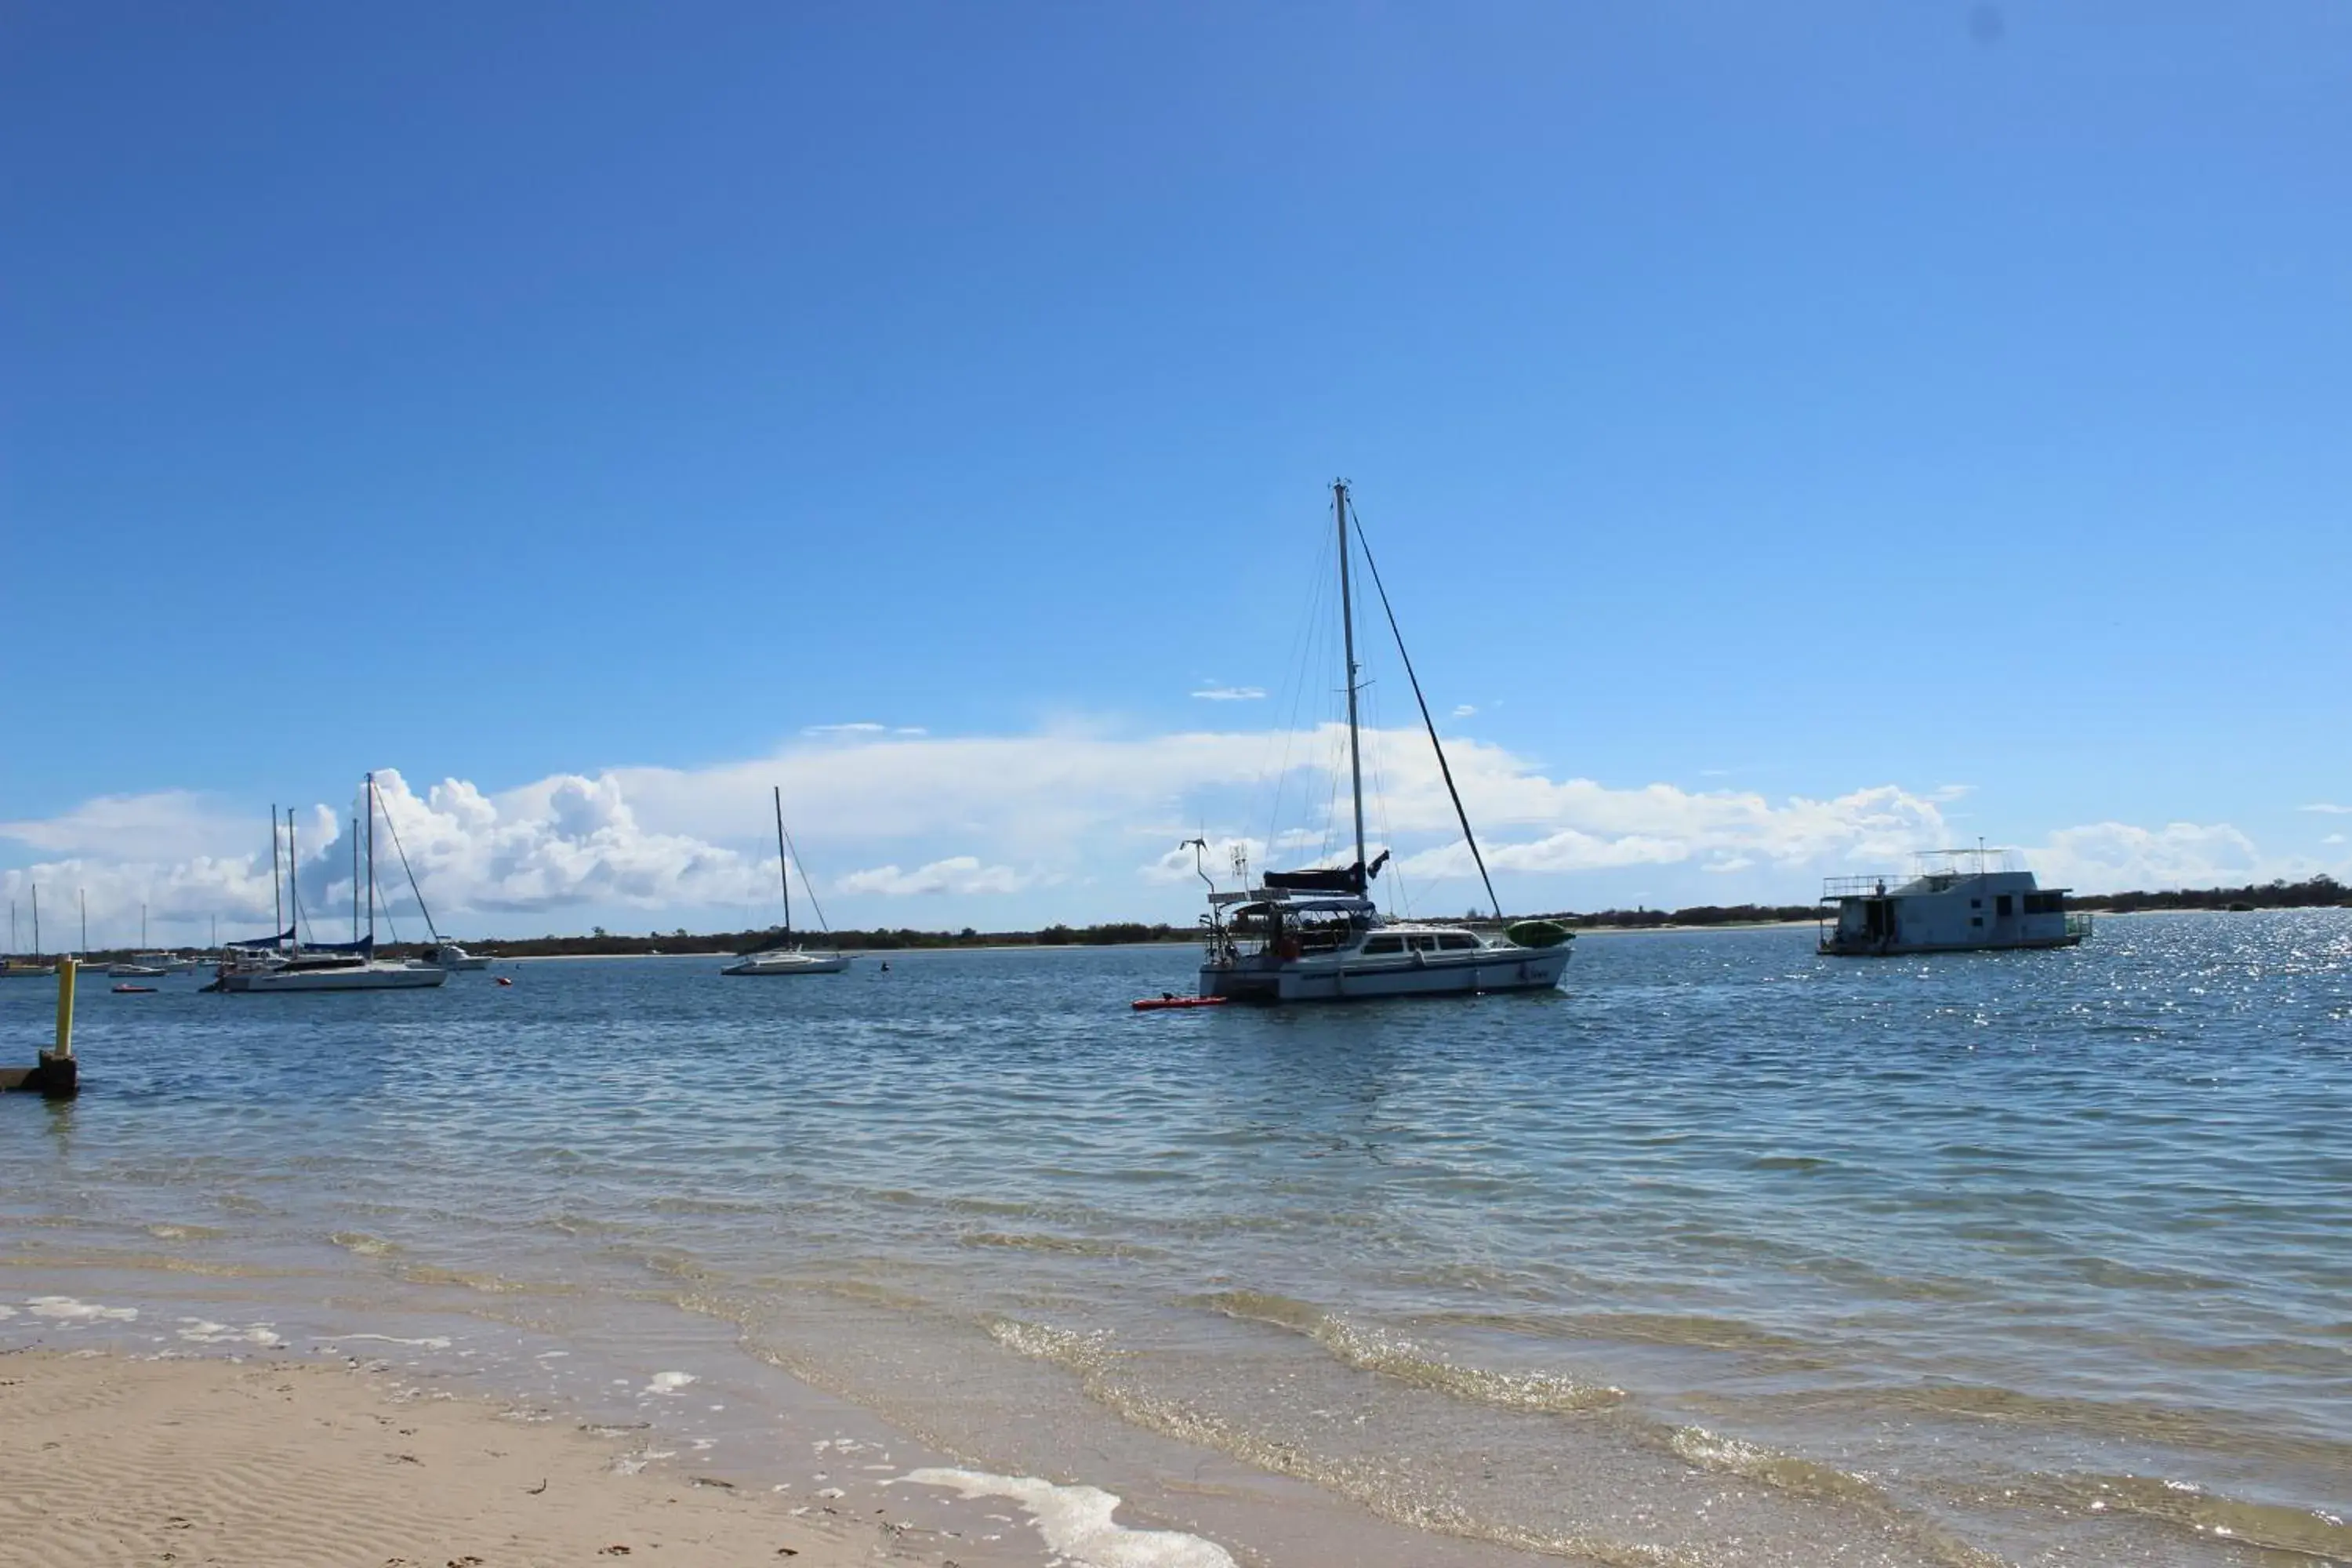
(787,956)
(283,962)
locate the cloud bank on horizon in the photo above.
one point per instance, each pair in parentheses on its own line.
(1019,830)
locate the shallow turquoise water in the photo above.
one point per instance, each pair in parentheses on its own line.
(1723,1251)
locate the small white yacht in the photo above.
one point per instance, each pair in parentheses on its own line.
(328,972)
(447,955)
(1317,935)
(789,957)
(788,960)
(1956,902)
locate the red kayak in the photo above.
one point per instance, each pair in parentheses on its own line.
(134,990)
(1154,1003)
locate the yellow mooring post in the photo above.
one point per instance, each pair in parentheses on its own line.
(66,967)
(58,1075)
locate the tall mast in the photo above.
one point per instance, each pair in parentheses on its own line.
(37,916)
(1348,636)
(276,898)
(355,878)
(293,894)
(370,862)
(783,872)
(83,894)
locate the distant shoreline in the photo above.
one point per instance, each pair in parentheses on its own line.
(2320,892)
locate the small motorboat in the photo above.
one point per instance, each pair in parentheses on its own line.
(134,990)
(1167,999)
(504,981)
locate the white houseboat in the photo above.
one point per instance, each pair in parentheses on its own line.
(1956,902)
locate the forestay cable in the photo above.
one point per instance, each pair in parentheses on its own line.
(1443,766)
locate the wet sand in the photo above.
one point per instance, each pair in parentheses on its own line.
(111,1460)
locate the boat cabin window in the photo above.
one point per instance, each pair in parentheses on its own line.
(1378,944)
(2045,904)
(1424,944)
(2002,907)
(1455,940)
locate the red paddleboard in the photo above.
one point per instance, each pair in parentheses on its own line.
(1155,1004)
(504,981)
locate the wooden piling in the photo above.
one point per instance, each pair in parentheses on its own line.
(56,1076)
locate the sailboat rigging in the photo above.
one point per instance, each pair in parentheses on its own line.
(1315,935)
(283,962)
(787,956)
(35,966)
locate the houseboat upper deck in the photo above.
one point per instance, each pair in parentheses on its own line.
(1959,901)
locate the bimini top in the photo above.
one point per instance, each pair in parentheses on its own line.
(1274,897)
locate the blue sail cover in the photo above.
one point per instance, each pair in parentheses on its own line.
(257,942)
(364,947)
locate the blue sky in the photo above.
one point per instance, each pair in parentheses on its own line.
(1762,406)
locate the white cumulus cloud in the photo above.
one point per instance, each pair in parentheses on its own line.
(2113,857)
(956,874)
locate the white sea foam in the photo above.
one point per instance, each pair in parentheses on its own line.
(1077,1522)
(433,1342)
(66,1310)
(203,1331)
(669,1382)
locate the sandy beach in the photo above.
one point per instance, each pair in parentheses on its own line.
(112,1460)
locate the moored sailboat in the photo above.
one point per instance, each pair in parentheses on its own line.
(36,966)
(787,956)
(1317,936)
(285,964)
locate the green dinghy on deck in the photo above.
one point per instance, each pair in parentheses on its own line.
(1538,933)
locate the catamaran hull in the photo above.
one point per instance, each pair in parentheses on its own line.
(374,977)
(1306,980)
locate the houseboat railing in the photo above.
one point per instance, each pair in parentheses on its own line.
(2078,924)
(1834,887)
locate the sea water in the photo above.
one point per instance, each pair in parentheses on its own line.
(1725,1252)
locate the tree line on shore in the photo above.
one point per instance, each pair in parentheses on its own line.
(2322,891)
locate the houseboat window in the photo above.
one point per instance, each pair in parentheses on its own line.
(1454,941)
(2001,905)
(1976,920)
(1383,945)
(1976,903)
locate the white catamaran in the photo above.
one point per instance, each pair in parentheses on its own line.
(284,962)
(788,957)
(1317,936)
